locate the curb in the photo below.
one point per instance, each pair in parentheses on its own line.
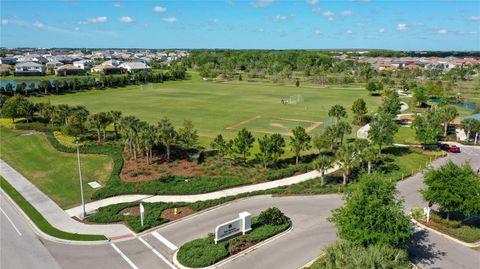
(236,256)
(470,245)
(47,236)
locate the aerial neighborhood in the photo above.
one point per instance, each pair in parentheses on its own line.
(67,62)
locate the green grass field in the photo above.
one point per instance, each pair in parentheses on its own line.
(215,106)
(53,172)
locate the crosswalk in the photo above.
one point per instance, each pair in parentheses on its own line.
(152,250)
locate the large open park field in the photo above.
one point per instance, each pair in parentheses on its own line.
(222,107)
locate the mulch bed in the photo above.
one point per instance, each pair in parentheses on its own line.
(130,211)
(181,212)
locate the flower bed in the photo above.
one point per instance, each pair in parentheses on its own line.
(204,252)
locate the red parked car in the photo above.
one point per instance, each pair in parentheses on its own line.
(454,149)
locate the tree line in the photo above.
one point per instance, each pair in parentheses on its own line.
(60,86)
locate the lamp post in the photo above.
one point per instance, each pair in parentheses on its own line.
(81,180)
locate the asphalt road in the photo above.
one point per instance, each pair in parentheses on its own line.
(311,232)
(19,245)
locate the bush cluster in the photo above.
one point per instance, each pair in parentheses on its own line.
(272,216)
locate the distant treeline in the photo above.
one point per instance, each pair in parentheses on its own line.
(392,53)
(59,86)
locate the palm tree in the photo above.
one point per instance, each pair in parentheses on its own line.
(130,129)
(63,111)
(347,157)
(147,138)
(57,83)
(337,112)
(116,117)
(447,113)
(343,128)
(95,122)
(469,126)
(369,155)
(166,135)
(322,164)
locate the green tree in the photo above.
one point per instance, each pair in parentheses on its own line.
(391,104)
(342,128)
(166,135)
(348,157)
(447,113)
(371,87)
(369,155)
(130,128)
(147,139)
(299,141)
(116,117)
(348,255)
(372,214)
(188,135)
(220,144)
(242,143)
(75,127)
(12,108)
(337,112)
(95,122)
(271,147)
(454,188)
(470,126)
(322,164)
(322,142)
(427,127)
(420,96)
(382,130)
(359,109)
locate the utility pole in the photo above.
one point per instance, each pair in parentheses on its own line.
(81,180)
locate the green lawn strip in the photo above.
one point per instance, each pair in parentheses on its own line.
(406,135)
(454,228)
(204,252)
(54,173)
(40,221)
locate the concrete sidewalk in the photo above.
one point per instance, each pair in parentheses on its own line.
(76,211)
(55,215)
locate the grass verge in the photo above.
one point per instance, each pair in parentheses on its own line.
(469,233)
(40,221)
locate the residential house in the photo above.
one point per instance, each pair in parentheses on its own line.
(5,69)
(133,67)
(29,69)
(84,64)
(8,60)
(70,70)
(107,69)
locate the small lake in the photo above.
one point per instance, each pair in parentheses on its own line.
(462,105)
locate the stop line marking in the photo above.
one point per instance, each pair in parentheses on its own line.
(124,256)
(157,253)
(164,240)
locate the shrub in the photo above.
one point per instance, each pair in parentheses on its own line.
(273,216)
(201,252)
(238,244)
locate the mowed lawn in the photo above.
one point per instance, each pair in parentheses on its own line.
(53,172)
(214,106)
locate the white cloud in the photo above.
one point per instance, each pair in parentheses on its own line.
(312,2)
(349,32)
(402,27)
(346,13)
(262,3)
(328,14)
(126,19)
(443,31)
(100,19)
(316,10)
(468,33)
(38,25)
(381,30)
(318,32)
(117,5)
(279,18)
(474,18)
(159,9)
(169,19)
(330,18)
(214,21)
(3,21)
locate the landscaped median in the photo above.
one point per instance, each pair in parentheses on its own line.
(39,220)
(464,231)
(204,252)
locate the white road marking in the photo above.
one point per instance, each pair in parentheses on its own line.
(157,253)
(124,256)
(11,222)
(164,240)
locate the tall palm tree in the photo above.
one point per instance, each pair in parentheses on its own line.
(322,164)
(63,112)
(447,113)
(130,128)
(166,135)
(116,117)
(95,122)
(347,157)
(147,139)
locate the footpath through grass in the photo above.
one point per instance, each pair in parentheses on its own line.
(39,220)
(53,172)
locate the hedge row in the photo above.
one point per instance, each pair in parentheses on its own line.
(204,252)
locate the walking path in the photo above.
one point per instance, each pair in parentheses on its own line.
(55,215)
(76,211)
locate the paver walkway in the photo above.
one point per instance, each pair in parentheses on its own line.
(76,211)
(55,215)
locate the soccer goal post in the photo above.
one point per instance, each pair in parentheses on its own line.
(296,99)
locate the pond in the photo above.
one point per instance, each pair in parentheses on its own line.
(462,105)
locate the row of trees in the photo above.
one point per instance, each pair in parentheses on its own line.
(58,86)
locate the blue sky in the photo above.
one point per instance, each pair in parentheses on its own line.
(251,24)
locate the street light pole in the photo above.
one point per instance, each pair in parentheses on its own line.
(81,180)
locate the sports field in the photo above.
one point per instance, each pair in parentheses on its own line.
(222,107)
